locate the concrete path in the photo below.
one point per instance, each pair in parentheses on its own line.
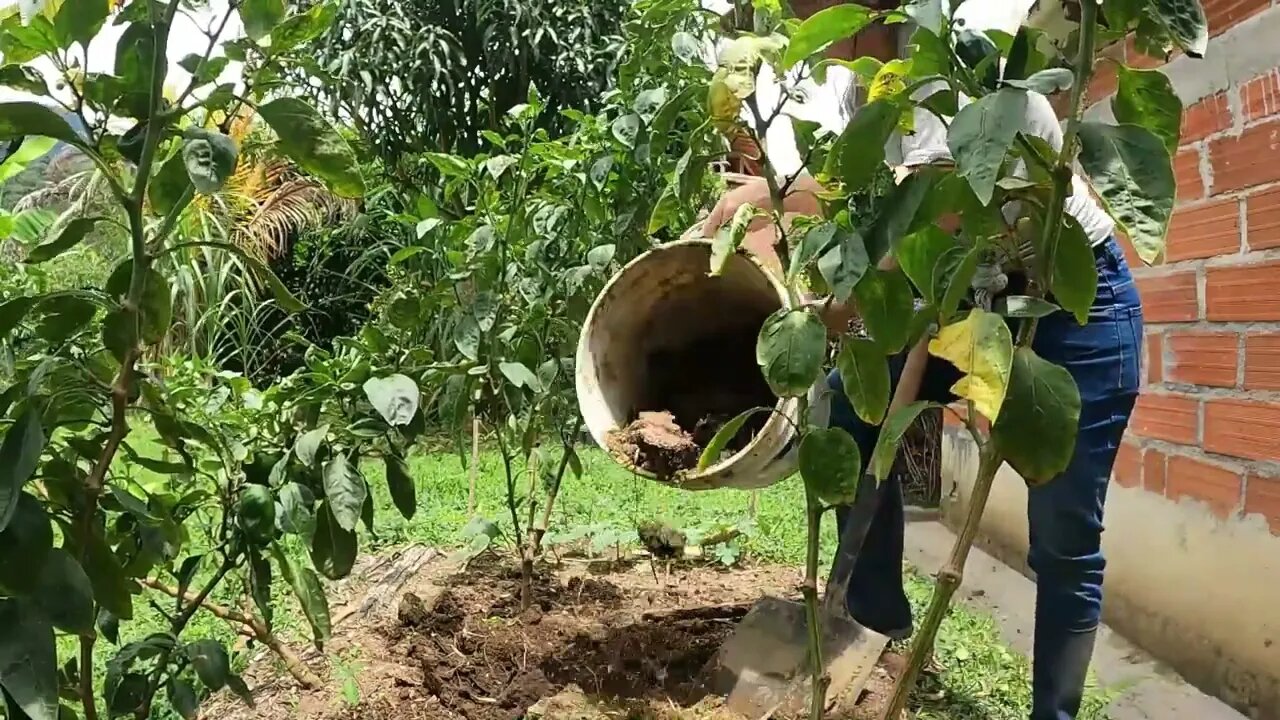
(1148,690)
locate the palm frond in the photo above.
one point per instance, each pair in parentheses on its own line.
(296,205)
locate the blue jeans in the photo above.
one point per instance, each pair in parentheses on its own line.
(1065,515)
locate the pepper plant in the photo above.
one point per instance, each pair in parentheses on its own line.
(84,521)
(910,281)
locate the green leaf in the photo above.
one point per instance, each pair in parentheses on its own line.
(981,347)
(26,540)
(953,278)
(885,303)
(1024,306)
(520,376)
(1133,173)
(333,547)
(25,78)
(256,513)
(212,666)
(1186,22)
(63,593)
(727,432)
(203,71)
(309,140)
(980,136)
(823,28)
(625,129)
(19,456)
(865,375)
(790,351)
(28,660)
(183,698)
(403,492)
(1046,82)
(1147,98)
(859,151)
(306,587)
(119,333)
(260,17)
(284,298)
(729,237)
(904,211)
(395,397)
(665,210)
(345,489)
(112,589)
(918,255)
(813,244)
(32,148)
(1075,270)
(12,313)
(71,235)
(18,119)
(209,157)
(63,316)
(169,185)
(260,585)
(842,267)
(895,426)
(1036,432)
(302,28)
(307,446)
(155,305)
(831,465)
(78,21)
(295,513)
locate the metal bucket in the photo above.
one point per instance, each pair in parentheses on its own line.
(664,299)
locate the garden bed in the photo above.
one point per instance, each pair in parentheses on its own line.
(604,640)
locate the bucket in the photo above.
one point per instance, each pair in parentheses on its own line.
(663,335)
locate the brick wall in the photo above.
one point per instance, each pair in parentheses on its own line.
(1207,425)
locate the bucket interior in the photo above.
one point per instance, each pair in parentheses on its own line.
(668,337)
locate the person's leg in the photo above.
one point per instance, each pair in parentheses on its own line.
(876,597)
(1065,515)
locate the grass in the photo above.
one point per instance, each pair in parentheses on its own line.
(982,679)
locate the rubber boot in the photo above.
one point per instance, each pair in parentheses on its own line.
(1059,671)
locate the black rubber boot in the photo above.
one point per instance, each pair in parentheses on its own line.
(1059,670)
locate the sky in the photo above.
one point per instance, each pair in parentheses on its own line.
(186,36)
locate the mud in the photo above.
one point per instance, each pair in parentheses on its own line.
(693,391)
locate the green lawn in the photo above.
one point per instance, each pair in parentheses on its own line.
(982,678)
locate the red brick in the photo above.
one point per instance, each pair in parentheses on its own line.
(1169,298)
(1262,497)
(1166,417)
(1262,218)
(953,419)
(1242,293)
(1186,171)
(1225,14)
(1130,254)
(1214,484)
(1127,469)
(1209,116)
(1242,428)
(1262,361)
(1204,231)
(1204,358)
(1153,471)
(1155,358)
(1103,84)
(1260,97)
(1247,160)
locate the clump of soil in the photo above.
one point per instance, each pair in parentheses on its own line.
(691,392)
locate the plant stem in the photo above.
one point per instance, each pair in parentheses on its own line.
(473,471)
(248,625)
(809,589)
(949,579)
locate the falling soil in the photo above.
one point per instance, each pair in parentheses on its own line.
(595,646)
(691,392)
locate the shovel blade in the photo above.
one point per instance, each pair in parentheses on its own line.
(763,668)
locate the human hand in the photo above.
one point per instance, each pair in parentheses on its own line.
(761,235)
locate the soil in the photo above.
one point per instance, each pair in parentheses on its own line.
(692,392)
(600,643)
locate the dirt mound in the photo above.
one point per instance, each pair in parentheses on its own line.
(594,647)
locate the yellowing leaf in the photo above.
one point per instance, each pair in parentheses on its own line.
(723,104)
(889,82)
(982,348)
